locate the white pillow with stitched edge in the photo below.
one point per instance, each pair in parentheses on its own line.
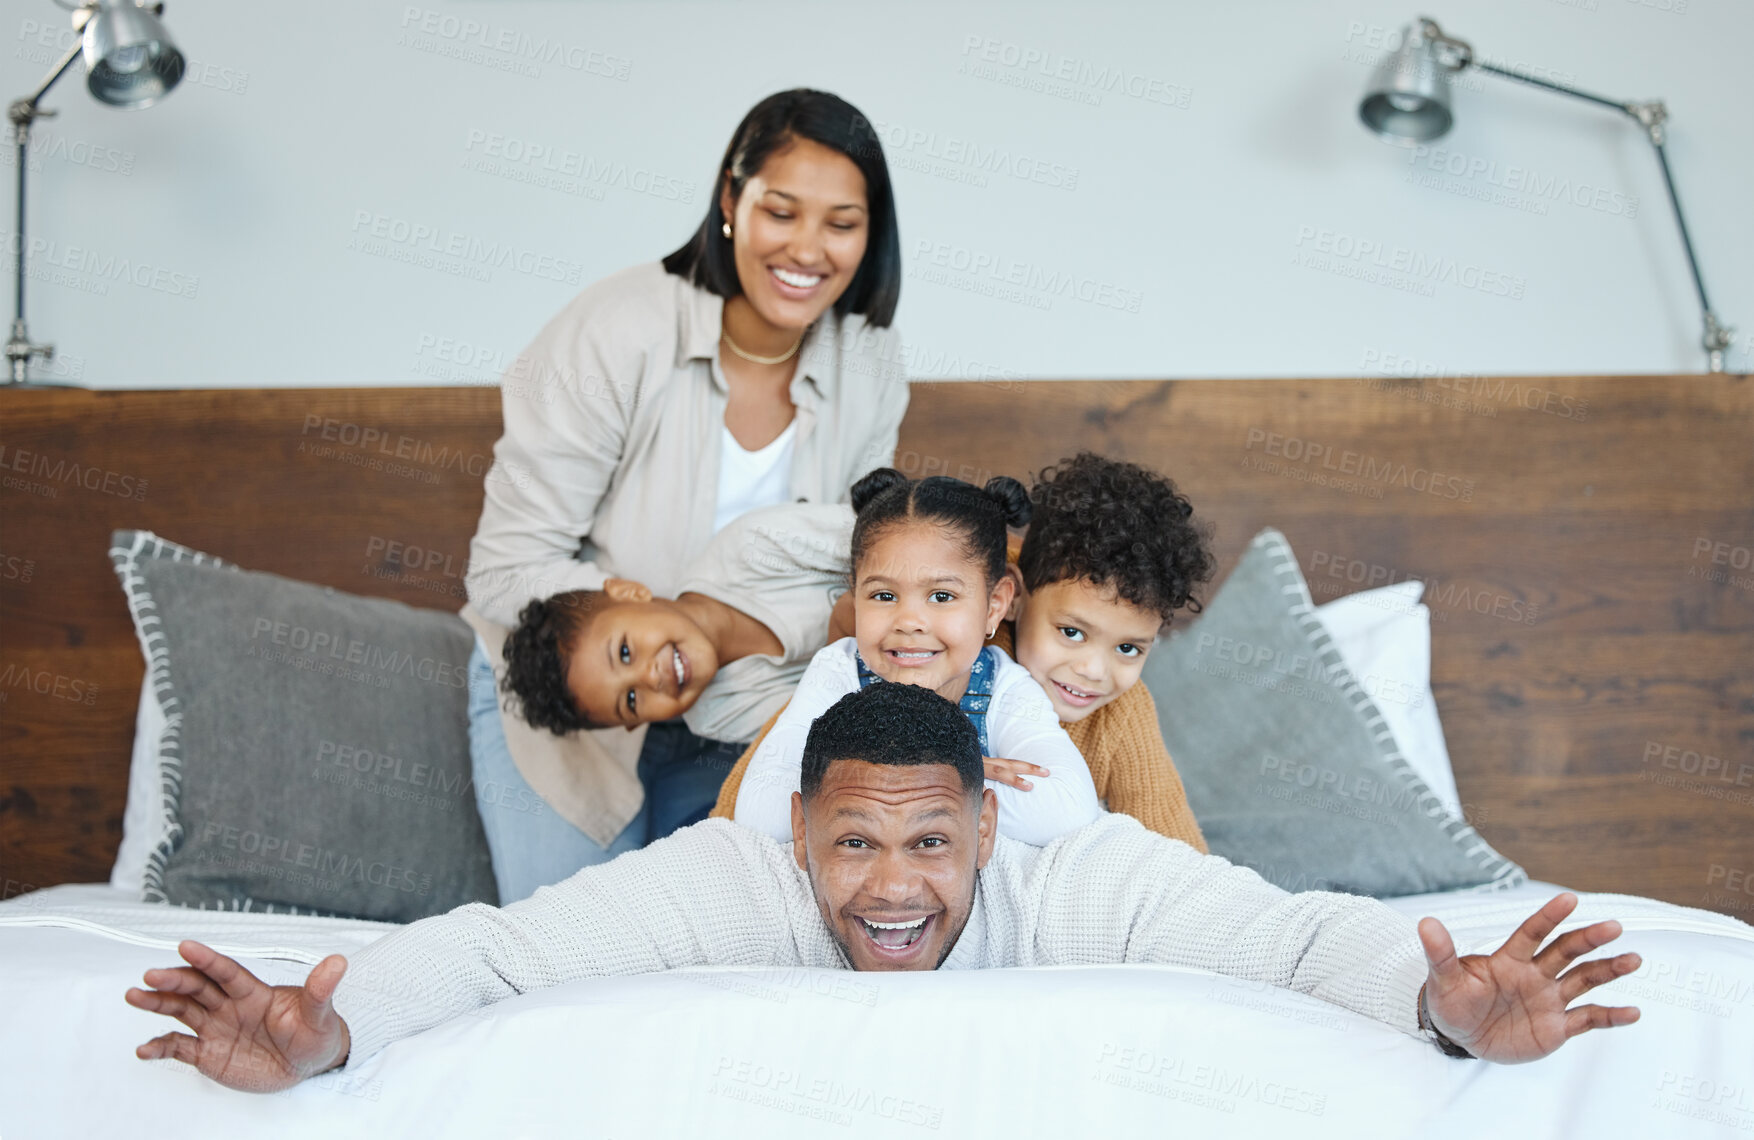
(143,817)
(1384,636)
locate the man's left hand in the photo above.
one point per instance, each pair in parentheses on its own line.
(1511,1006)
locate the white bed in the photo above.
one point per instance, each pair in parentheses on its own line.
(1114,1051)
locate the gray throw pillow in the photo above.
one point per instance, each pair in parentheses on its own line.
(1289,766)
(316,755)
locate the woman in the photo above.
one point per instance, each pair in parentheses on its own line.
(754,365)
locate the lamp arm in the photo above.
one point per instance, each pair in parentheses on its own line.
(1653,116)
(22,113)
(30,101)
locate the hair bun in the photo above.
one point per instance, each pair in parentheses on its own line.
(874,484)
(1013,499)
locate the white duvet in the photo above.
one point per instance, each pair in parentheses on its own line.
(1068,1052)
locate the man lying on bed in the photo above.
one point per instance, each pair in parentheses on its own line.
(895,865)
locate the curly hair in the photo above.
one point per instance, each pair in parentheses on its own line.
(980,515)
(536,654)
(1116,525)
(893,723)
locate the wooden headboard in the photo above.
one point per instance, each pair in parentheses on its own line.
(1586,543)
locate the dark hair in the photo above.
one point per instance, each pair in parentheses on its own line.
(1117,525)
(536,655)
(980,515)
(772,124)
(891,723)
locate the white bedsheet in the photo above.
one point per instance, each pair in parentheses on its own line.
(1071,1052)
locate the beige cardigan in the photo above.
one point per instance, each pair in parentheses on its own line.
(608,467)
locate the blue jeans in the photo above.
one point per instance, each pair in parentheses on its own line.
(682,774)
(532,846)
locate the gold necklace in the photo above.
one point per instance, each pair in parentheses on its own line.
(754,359)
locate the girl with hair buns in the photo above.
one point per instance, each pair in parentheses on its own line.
(929,588)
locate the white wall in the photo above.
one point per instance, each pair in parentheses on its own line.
(213,239)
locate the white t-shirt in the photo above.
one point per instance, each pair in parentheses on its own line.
(751,479)
(1021,725)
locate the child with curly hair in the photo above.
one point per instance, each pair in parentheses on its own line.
(1111,554)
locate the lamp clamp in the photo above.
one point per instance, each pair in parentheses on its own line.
(1453,54)
(1652,116)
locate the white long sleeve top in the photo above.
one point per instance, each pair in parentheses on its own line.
(1021,725)
(719,894)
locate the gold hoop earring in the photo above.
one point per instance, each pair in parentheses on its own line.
(726,228)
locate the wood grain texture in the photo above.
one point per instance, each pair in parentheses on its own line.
(1567,529)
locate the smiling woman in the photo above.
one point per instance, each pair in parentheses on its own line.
(753,366)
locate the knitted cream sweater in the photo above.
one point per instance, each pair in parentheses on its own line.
(721,894)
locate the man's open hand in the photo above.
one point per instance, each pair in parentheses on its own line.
(1511,1006)
(248,1035)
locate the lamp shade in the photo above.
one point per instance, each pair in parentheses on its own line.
(1408,96)
(130,60)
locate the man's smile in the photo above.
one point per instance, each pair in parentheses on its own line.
(896,941)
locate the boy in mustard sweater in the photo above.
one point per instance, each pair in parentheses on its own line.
(1111,554)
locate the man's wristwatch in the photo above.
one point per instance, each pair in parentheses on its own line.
(1447,1047)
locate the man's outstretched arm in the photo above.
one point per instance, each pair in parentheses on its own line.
(1117,893)
(714,894)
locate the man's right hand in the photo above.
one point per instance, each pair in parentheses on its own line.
(248,1035)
